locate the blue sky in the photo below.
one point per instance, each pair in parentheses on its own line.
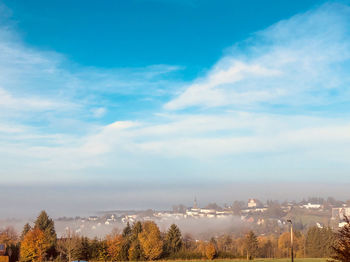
(174,92)
(139,33)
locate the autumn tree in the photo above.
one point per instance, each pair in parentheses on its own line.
(210,251)
(251,245)
(265,246)
(341,245)
(150,240)
(299,244)
(115,247)
(284,244)
(173,239)
(224,243)
(201,247)
(240,244)
(34,246)
(47,226)
(9,237)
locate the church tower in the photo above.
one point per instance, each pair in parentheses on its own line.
(195,205)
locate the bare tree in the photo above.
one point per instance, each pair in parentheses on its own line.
(67,244)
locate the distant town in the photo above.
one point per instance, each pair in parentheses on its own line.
(265,218)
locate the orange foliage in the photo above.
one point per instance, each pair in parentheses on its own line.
(34,246)
(115,246)
(8,236)
(150,240)
(284,244)
(210,251)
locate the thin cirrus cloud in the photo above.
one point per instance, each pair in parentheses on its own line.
(302,61)
(273,98)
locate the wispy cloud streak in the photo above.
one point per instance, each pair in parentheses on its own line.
(302,61)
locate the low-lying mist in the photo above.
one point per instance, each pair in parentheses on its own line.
(198,228)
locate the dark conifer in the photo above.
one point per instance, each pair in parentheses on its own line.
(173,239)
(26,229)
(46,224)
(127,230)
(251,245)
(341,246)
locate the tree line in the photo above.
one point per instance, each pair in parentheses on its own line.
(144,241)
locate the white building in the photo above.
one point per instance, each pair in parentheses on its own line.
(342,224)
(340,212)
(252,203)
(311,206)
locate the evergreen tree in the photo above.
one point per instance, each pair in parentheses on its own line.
(46,225)
(313,244)
(251,245)
(94,249)
(81,250)
(328,237)
(136,230)
(135,251)
(341,246)
(125,249)
(127,230)
(173,239)
(319,241)
(103,251)
(26,229)
(127,240)
(85,248)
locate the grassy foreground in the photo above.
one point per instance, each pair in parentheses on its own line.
(258,260)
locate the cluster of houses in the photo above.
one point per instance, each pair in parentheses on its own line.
(252,212)
(197,212)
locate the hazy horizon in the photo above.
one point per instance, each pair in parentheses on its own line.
(25,202)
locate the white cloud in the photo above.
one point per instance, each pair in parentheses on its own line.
(205,136)
(8,101)
(298,64)
(213,90)
(295,62)
(99,112)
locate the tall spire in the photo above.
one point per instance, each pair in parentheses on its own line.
(195,205)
